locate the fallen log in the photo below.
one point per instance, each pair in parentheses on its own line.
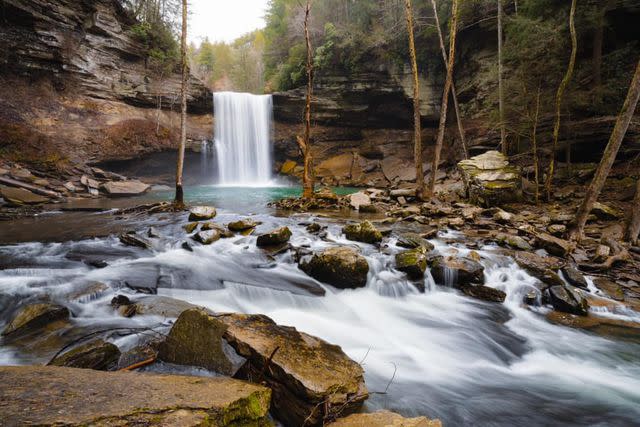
(37,190)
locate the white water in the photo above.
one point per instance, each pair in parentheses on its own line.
(243,139)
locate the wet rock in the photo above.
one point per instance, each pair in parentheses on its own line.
(202,213)
(384,419)
(314,228)
(412,262)
(187,246)
(20,196)
(484,293)
(342,267)
(97,354)
(513,241)
(131,239)
(153,233)
(371,209)
(224,232)
(605,212)
(138,354)
(554,245)
(602,253)
(326,193)
(490,180)
(159,306)
(610,288)
(274,238)
(359,199)
(457,272)
(87,292)
(502,217)
(207,237)
(35,316)
(574,277)
(364,232)
(196,340)
(531,298)
(567,300)
(67,396)
(310,378)
(413,241)
(242,225)
(542,268)
(190,227)
(125,188)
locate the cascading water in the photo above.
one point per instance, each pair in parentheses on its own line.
(243,138)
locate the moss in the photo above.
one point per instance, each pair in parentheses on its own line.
(247,412)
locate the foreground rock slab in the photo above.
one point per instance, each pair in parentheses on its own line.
(311,379)
(67,396)
(384,419)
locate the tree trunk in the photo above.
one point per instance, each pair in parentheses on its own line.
(503,130)
(534,142)
(445,99)
(609,156)
(598,37)
(179,200)
(561,90)
(633,224)
(305,141)
(417,131)
(463,138)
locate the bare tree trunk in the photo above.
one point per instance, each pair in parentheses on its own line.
(534,142)
(503,130)
(417,131)
(305,142)
(598,37)
(463,138)
(608,157)
(179,200)
(561,90)
(632,232)
(445,98)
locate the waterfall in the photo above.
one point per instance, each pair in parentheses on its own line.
(243,138)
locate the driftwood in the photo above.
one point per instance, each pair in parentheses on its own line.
(37,190)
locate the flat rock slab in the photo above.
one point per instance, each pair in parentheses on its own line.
(66,396)
(20,196)
(384,419)
(125,188)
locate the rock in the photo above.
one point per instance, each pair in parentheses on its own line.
(207,237)
(610,288)
(131,239)
(605,212)
(224,232)
(314,227)
(554,245)
(342,267)
(372,209)
(384,419)
(356,200)
(89,183)
(412,262)
(88,292)
(288,167)
(602,253)
(489,179)
(202,213)
(403,192)
(190,227)
(557,230)
(35,316)
(542,268)
(97,354)
(70,187)
(242,225)
(565,299)
(456,272)
(159,306)
(137,354)
(67,396)
(310,378)
(153,233)
(20,196)
(402,200)
(364,232)
(326,193)
(413,241)
(574,277)
(502,217)
(196,340)
(513,241)
(125,188)
(484,293)
(275,237)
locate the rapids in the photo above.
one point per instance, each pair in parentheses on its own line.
(436,353)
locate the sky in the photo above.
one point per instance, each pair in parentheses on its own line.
(224,20)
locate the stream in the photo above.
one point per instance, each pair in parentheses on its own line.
(436,353)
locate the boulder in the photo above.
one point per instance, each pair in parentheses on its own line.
(70,187)
(542,268)
(456,272)
(489,179)
(554,245)
(35,316)
(20,196)
(364,232)
(131,239)
(412,262)
(574,277)
(342,267)
(274,237)
(190,227)
(202,213)
(567,300)
(384,419)
(288,167)
(485,293)
(242,225)
(605,212)
(67,396)
(125,188)
(207,237)
(557,229)
(310,378)
(413,241)
(89,183)
(97,354)
(356,200)
(513,241)
(158,306)
(196,340)
(224,232)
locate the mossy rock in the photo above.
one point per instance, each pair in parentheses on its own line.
(456,272)
(412,262)
(207,237)
(242,225)
(97,354)
(35,316)
(490,180)
(414,241)
(364,232)
(274,238)
(202,213)
(342,267)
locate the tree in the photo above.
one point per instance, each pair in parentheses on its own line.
(561,90)
(632,233)
(445,98)
(417,131)
(608,158)
(534,144)
(454,94)
(305,141)
(179,200)
(503,130)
